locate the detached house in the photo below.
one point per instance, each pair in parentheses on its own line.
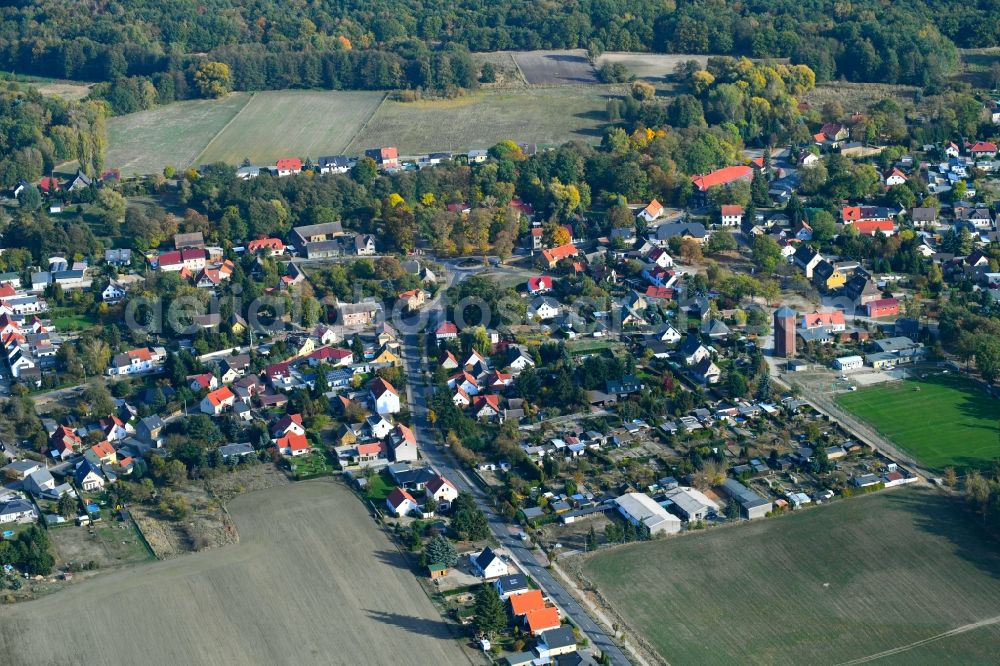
(651,212)
(731,215)
(401,503)
(138,361)
(544,308)
(218,401)
(383,396)
(441,489)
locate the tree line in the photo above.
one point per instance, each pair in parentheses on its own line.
(392,43)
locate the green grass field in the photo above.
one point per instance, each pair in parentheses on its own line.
(822,586)
(941,419)
(481,119)
(175,134)
(292,123)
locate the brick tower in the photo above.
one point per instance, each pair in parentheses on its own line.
(784,332)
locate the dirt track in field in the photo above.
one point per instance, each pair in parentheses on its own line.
(311,582)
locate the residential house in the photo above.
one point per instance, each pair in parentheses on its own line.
(358,314)
(652,211)
(386,158)
(217,401)
(441,489)
(543,308)
(113,293)
(553,256)
(807,259)
(288,166)
(383,396)
(88,476)
(292,444)
(706,372)
(138,361)
(488,564)
(401,503)
(719,178)
(539,285)
(731,215)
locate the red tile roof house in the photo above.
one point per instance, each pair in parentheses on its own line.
(833,320)
(731,215)
(719,178)
(384,396)
(268,245)
(335,356)
(218,401)
(539,284)
(441,489)
(204,381)
(292,445)
(883,307)
(64,442)
(446,331)
(401,503)
(486,406)
(288,166)
(872,227)
(651,212)
(553,256)
(983,149)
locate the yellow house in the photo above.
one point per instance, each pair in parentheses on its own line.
(387,357)
(836,280)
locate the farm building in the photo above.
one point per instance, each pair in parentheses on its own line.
(849,363)
(640,508)
(751,504)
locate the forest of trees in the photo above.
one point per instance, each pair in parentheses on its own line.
(37,132)
(426,43)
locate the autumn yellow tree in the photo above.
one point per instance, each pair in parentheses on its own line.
(213,79)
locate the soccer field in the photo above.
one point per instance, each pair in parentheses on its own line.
(940,419)
(826,585)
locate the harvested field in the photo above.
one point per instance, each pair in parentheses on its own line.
(654,67)
(292,123)
(824,585)
(175,134)
(483,118)
(508,74)
(555,67)
(311,582)
(856,97)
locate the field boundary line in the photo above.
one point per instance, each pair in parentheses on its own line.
(905,648)
(364,125)
(243,108)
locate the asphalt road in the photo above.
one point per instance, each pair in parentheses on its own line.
(417,393)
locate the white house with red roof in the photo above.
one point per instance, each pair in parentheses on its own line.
(401,503)
(834,321)
(893,177)
(446,331)
(205,381)
(267,246)
(289,423)
(539,284)
(441,489)
(138,361)
(486,407)
(731,215)
(218,401)
(660,258)
(335,356)
(460,398)
(652,211)
(64,442)
(384,397)
(292,445)
(288,166)
(982,149)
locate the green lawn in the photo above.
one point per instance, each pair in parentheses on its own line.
(378,489)
(941,419)
(310,465)
(820,586)
(75,322)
